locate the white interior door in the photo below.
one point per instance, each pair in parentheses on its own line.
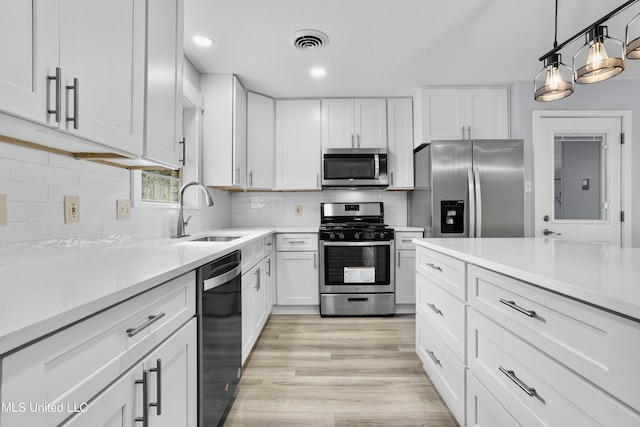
(578,178)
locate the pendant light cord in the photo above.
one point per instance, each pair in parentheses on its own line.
(555,35)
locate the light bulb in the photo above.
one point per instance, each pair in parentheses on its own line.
(597,54)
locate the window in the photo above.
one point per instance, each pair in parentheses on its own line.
(160,185)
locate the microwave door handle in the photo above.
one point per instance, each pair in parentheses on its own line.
(376,165)
(472,204)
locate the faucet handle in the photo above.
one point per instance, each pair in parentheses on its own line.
(186,221)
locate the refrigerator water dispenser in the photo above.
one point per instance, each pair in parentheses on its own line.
(452,216)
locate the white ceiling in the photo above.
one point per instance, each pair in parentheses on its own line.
(387,47)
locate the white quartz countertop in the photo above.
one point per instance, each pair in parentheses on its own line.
(601,275)
(41,296)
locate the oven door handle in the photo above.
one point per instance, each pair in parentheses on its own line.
(325,243)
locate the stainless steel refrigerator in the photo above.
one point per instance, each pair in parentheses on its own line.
(469,188)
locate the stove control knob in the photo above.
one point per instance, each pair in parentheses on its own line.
(356,236)
(332,236)
(382,234)
(341,235)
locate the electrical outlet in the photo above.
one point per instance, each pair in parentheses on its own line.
(298,210)
(3,209)
(71,209)
(123,209)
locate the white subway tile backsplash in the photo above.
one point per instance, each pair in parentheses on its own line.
(17,152)
(5,170)
(24,191)
(17,231)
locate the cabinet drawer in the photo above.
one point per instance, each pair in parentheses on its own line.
(73,365)
(445,314)
(483,410)
(534,388)
(404,239)
(297,242)
(602,347)
(446,372)
(446,272)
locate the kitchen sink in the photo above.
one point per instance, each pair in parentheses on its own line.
(215,239)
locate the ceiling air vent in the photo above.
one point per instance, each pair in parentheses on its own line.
(309,39)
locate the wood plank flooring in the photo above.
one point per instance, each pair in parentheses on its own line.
(311,371)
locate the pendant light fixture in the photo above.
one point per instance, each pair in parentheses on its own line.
(632,38)
(555,80)
(592,62)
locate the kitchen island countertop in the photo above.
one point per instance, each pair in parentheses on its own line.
(605,276)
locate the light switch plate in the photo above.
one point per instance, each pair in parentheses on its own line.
(3,209)
(71,209)
(123,209)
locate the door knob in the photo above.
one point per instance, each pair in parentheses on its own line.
(547,232)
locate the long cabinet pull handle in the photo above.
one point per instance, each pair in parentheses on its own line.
(152,319)
(257,286)
(469,132)
(463,132)
(269,270)
(58,101)
(435,309)
(183,142)
(435,267)
(315,261)
(512,376)
(434,358)
(144,419)
(158,402)
(76,105)
(513,305)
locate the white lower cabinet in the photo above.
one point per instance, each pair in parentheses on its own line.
(75,366)
(405,267)
(483,410)
(298,274)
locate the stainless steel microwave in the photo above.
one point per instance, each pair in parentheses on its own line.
(354,167)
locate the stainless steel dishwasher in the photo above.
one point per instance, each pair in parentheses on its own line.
(219,337)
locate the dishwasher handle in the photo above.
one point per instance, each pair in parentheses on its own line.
(221,279)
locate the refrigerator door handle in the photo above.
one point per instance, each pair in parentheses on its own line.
(472,204)
(476,174)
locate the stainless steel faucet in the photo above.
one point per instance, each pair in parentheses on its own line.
(180,232)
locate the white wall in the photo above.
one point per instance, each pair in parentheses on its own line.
(614,94)
(36,182)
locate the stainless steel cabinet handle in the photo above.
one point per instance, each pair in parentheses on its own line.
(315,261)
(434,358)
(152,319)
(257,286)
(512,376)
(292,242)
(398,260)
(251,178)
(76,104)
(391,179)
(144,419)
(184,149)
(409,240)
(58,101)
(237,170)
(435,267)
(158,402)
(435,309)
(513,305)
(269,270)
(469,132)
(463,132)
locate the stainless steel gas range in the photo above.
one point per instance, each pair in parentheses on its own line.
(356,260)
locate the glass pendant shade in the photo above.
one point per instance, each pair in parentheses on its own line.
(632,38)
(600,58)
(554,81)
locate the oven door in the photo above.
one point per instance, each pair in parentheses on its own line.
(356,267)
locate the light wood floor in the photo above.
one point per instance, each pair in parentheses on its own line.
(311,371)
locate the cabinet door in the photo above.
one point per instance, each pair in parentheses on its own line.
(442,115)
(102,45)
(270,283)
(298,281)
(29,52)
(338,123)
(175,362)
(406,277)
(239,134)
(487,114)
(163,119)
(370,123)
(400,126)
(248,336)
(258,299)
(298,145)
(260,141)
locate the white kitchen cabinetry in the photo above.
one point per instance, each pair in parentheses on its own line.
(405,267)
(224,131)
(400,143)
(354,123)
(86,57)
(298,274)
(163,119)
(77,364)
(258,275)
(260,142)
(460,113)
(298,154)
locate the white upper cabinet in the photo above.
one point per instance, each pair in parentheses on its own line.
(260,141)
(460,113)
(298,144)
(354,123)
(76,65)
(400,157)
(224,131)
(164,81)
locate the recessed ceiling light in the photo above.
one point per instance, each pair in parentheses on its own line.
(318,72)
(203,41)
